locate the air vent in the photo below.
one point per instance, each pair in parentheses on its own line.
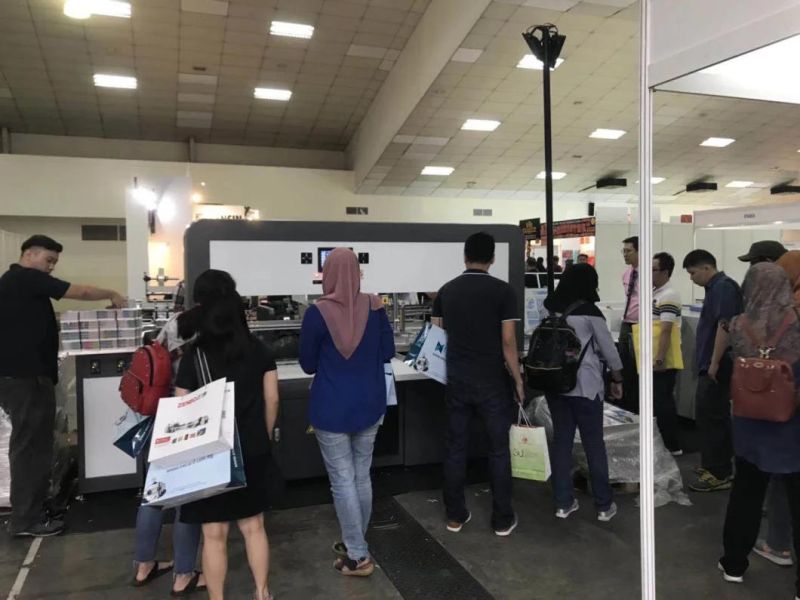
(102,233)
(481,212)
(701,187)
(357,210)
(785,188)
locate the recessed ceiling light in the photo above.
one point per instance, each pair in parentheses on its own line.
(529,61)
(656,180)
(83,9)
(480,125)
(739,184)
(430,170)
(777,222)
(295,30)
(607,134)
(115,81)
(556,175)
(272,94)
(717,142)
(197,197)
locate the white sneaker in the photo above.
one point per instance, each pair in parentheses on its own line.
(676,452)
(607,515)
(455,526)
(507,531)
(730,578)
(563,513)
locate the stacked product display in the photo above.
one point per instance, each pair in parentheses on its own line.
(101,329)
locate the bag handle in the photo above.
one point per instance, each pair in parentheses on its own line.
(766,348)
(522,417)
(201,366)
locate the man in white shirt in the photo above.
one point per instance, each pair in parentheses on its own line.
(667,312)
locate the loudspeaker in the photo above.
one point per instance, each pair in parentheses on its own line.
(591,209)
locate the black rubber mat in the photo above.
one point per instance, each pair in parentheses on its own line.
(416,564)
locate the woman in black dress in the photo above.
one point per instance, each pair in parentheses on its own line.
(232,352)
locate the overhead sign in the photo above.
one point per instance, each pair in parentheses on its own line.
(574,228)
(224,211)
(530,228)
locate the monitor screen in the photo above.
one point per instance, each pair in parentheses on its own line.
(322,256)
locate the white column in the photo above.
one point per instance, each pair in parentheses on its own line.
(646,478)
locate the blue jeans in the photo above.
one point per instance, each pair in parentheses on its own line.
(185,539)
(348,458)
(779,517)
(569,413)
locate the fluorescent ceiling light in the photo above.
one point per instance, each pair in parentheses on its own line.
(466,55)
(529,61)
(607,134)
(272,94)
(83,9)
(717,142)
(295,30)
(777,222)
(739,184)
(430,170)
(115,81)
(656,180)
(480,125)
(556,175)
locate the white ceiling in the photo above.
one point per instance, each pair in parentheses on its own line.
(197,72)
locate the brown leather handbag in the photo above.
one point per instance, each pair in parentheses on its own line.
(764,388)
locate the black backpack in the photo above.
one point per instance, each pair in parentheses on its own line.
(554,355)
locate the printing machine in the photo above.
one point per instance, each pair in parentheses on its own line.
(400,262)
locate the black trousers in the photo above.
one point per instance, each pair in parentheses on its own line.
(743,518)
(713,418)
(630,374)
(664,407)
(494,405)
(31,405)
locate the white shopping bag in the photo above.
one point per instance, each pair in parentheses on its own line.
(428,353)
(530,458)
(391,391)
(191,426)
(198,478)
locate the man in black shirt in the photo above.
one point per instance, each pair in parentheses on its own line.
(28,373)
(479,313)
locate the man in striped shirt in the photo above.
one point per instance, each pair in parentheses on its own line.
(667,311)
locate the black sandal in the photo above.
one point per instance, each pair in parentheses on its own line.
(154,573)
(194,585)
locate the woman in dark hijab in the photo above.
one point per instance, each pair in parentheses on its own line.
(763,449)
(582,407)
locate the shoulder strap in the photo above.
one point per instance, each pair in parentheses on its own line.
(791,317)
(583,352)
(572,307)
(201,367)
(757,341)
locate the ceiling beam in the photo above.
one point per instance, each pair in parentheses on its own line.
(438,35)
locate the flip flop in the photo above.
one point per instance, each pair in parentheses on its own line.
(154,573)
(194,585)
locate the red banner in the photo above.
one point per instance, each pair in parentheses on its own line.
(586,227)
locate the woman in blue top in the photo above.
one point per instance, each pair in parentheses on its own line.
(344,342)
(763,449)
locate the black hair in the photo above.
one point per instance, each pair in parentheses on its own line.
(699,258)
(665,262)
(479,248)
(578,283)
(209,286)
(41,241)
(530,263)
(582,254)
(223,328)
(634,241)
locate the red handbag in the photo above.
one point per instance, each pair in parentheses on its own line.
(764,388)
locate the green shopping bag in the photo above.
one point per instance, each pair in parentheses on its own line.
(530,458)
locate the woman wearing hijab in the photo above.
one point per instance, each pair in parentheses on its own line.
(762,448)
(776,547)
(582,407)
(234,353)
(344,342)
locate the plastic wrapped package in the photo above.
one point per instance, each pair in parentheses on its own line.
(621,435)
(5,468)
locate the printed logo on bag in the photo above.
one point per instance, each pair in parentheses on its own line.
(440,348)
(163,440)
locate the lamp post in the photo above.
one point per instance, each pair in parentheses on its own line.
(547,50)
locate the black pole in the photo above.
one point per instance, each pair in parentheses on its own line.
(548,159)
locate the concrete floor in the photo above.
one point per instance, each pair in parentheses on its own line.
(544,559)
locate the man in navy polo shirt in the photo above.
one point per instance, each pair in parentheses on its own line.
(28,374)
(480,314)
(723,301)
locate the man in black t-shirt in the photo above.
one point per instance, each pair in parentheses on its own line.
(28,373)
(480,314)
